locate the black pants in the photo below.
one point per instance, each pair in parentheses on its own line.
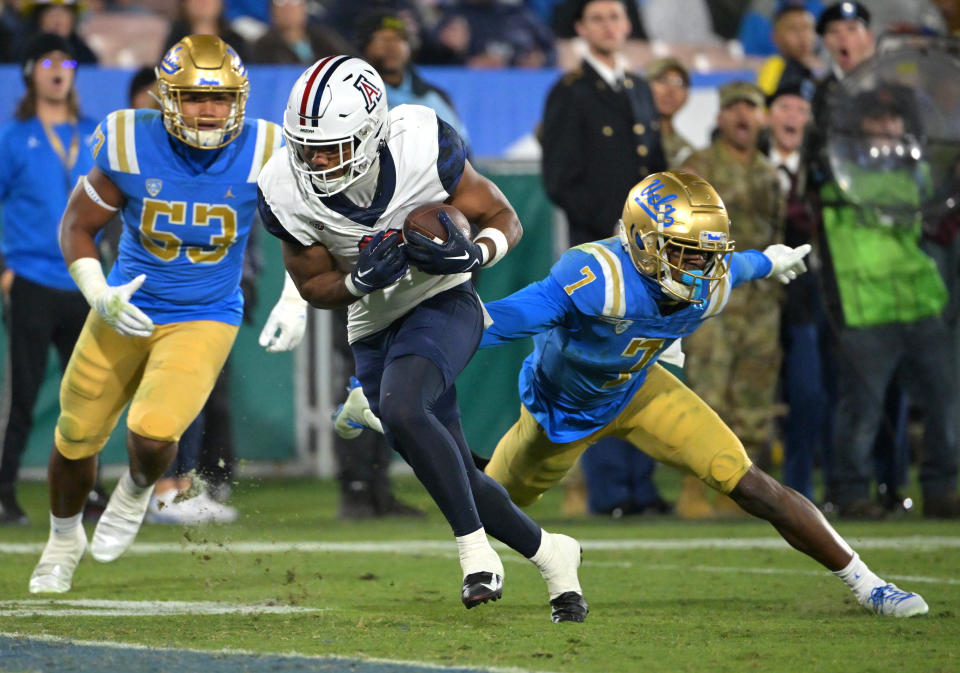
(36,318)
(363,464)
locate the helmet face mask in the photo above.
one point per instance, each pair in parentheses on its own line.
(341,117)
(676,229)
(203,68)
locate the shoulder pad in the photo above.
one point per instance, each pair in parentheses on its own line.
(592,275)
(115,142)
(269,138)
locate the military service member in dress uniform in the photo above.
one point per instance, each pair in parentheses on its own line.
(600,132)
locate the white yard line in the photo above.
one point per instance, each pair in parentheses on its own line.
(912,543)
(105,608)
(116,645)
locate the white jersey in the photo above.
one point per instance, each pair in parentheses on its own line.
(413,171)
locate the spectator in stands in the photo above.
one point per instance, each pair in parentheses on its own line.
(796,40)
(383,41)
(732,361)
(59,17)
(670,84)
(11,31)
(599,139)
(889,324)
(205,17)
(845,30)
(807,372)
(673,22)
(599,132)
(504,34)
(756,26)
(43,152)
(447,44)
(292,39)
(567,12)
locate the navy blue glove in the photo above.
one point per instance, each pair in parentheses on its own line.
(381,263)
(455,255)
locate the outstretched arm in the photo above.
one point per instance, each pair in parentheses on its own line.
(532,310)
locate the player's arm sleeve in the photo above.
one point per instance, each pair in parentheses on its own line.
(451,155)
(532,310)
(270,221)
(749,265)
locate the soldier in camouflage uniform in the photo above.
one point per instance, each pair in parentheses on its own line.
(733,360)
(670,84)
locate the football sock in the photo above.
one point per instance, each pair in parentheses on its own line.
(557,559)
(64,527)
(859,578)
(476,554)
(130,488)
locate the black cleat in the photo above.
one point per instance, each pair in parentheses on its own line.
(11,514)
(569,607)
(481,587)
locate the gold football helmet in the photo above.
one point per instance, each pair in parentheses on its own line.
(677,231)
(202,64)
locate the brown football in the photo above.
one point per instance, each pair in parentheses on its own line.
(424,220)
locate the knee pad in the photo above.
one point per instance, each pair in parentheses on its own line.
(156,423)
(76,440)
(727,467)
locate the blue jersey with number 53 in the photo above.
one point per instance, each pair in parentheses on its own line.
(597,326)
(187,214)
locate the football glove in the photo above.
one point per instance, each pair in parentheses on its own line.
(354,415)
(786,262)
(457,254)
(287,322)
(381,263)
(111,302)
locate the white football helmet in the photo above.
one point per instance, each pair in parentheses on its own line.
(337,109)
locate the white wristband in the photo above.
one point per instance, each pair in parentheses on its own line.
(96,198)
(500,246)
(351,288)
(87,273)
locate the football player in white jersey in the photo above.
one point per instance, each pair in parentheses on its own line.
(337,196)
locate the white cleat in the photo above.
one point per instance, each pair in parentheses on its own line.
(119,523)
(61,554)
(891,601)
(200,509)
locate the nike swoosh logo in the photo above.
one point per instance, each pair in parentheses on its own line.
(465,255)
(492,586)
(361,274)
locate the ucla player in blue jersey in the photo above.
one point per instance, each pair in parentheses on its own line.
(162,324)
(601,319)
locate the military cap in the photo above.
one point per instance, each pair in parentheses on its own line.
(658,67)
(738,90)
(842,11)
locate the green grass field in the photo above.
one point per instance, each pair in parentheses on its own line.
(665,595)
